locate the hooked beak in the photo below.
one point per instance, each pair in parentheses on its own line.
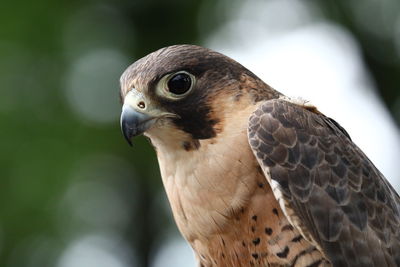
(134,123)
(135,117)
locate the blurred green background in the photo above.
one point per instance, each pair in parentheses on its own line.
(69,182)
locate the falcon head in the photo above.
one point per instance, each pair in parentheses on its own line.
(183,93)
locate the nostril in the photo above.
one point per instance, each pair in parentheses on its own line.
(141,105)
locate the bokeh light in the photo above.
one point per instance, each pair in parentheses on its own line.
(91,88)
(96,251)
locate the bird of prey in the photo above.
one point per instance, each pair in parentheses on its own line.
(255,178)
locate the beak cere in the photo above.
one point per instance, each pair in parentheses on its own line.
(134,122)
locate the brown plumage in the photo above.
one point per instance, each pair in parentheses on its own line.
(254,178)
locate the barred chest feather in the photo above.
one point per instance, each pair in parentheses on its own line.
(224,206)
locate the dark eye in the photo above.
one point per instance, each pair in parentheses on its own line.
(179,84)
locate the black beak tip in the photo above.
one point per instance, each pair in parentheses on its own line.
(128,140)
(127,131)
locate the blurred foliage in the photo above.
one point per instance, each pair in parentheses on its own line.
(48,147)
(375,25)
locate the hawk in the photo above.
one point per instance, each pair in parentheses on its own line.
(255,178)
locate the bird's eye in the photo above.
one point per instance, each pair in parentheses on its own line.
(179,83)
(175,86)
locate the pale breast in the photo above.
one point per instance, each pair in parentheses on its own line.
(224,206)
(205,187)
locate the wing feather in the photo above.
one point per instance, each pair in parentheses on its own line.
(333,190)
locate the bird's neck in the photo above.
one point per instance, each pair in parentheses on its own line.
(205,185)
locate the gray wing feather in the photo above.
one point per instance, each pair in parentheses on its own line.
(341,199)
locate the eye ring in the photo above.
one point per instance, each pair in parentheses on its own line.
(176,85)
